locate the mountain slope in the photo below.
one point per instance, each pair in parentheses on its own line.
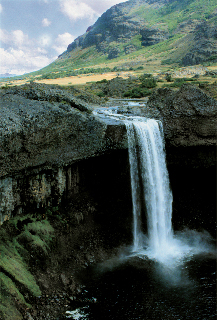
(135,24)
(180,32)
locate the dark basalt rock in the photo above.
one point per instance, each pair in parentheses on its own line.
(44,126)
(205,47)
(113,53)
(151,36)
(44,132)
(189,116)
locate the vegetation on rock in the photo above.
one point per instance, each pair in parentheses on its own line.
(23,239)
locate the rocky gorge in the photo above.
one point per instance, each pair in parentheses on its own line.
(65,197)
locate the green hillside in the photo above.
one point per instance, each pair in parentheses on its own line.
(137,30)
(147,34)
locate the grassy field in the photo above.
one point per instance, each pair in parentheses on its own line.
(154,69)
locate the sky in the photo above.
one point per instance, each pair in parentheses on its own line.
(34,32)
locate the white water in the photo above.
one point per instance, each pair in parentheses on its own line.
(151,190)
(149,184)
(151,195)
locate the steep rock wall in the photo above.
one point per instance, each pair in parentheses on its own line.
(55,153)
(43,132)
(42,141)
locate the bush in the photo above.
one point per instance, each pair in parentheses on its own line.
(166,61)
(145,76)
(101,94)
(137,93)
(102,81)
(149,83)
(168,78)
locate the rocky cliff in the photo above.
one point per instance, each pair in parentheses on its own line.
(44,131)
(62,176)
(45,126)
(113,25)
(135,24)
(205,45)
(189,116)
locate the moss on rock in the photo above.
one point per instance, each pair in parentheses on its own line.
(18,285)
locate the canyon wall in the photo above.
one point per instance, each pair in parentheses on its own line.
(48,137)
(43,132)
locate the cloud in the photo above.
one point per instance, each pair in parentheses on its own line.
(19,38)
(17,61)
(15,38)
(86,9)
(21,54)
(76,10)
(45,40)
(62,42)
(46,22)
(100,6)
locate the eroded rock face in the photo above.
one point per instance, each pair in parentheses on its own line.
(117,25)
(42,140)
(113,25)
(42,133)
(205,48)
(189,116)
(151,36)
(37,129)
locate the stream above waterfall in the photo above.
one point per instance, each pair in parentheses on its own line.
(164,274)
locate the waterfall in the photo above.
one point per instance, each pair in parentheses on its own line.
(149,183)
(151,195)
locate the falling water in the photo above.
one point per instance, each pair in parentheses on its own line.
(167,287)
(151,193)
(147,160)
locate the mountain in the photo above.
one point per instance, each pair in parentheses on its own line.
(137,32)
(7,75)
(204,38)
(136,24)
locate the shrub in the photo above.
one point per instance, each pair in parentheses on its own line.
(149,83)
(137,93)
(168,78)
(101,94)
(145,76)
(102,81)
